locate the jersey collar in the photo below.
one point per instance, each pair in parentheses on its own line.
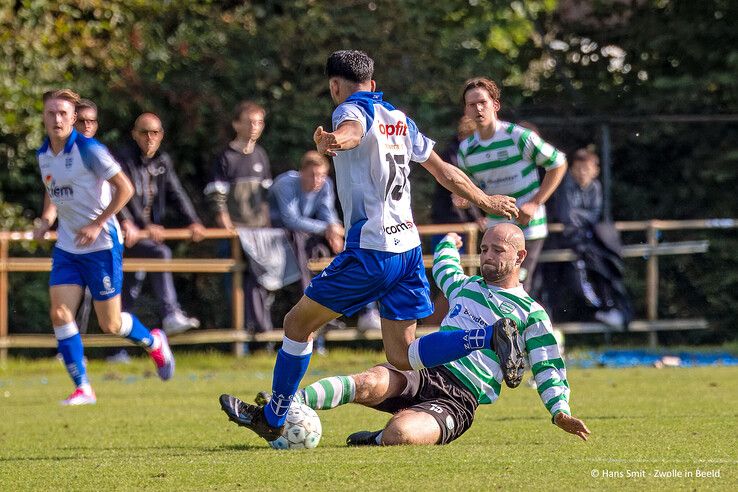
(67,146)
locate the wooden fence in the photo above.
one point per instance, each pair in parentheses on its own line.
(650,251)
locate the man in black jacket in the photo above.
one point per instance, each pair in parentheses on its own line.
(156,183)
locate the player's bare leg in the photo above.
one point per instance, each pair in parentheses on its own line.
(305,318)
(376,384)
(411,427)
(65,300)
(397,337)
(405,427)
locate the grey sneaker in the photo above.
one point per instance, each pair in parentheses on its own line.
(510,348)
(249,416)
(179,322)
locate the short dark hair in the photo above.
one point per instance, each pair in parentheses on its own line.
(313,158)
(247,107)
(586,154)
(352,65)
(65,94)
(481,82)
(84,104)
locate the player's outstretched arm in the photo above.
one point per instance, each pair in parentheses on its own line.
(347,136)
(572,425)
(454,179)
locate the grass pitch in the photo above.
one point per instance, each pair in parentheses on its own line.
(666,429)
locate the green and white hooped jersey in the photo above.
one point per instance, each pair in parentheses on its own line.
(474,304)
(506,165)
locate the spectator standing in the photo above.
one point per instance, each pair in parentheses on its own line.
(502,157)
(156,184)
(238,194)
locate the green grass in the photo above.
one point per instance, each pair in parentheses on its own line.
(144,434)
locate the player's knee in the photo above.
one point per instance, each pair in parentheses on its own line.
(366,385)
(60,315)
(111,325)
(397,433)
(296,328)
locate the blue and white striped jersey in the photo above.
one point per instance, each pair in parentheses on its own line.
(372,178)
(76,181)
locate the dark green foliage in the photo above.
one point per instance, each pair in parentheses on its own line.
(192,61)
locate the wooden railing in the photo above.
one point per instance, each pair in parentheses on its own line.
(236,335)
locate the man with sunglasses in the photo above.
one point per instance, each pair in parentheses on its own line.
(156,184)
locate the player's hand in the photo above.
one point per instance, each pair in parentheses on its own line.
(572,425)
(456,239)
(527,211)
(40,228)
(325,142)
(87,234)
(334,235)
(481,223)
(156,232)
(459,202)
(131,232)
(501,205)
(198,231)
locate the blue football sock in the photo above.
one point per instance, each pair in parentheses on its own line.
(291,365)
(442,347)
(70,347)
(132,329)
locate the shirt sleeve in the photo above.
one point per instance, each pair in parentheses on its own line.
(98,159)
(288,204)
(219,186)
(447,272)
(546,363)
(422,146)
(541,153)
(349,112)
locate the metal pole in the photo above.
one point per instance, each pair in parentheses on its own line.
(3,298)
(652,282)
(606,173)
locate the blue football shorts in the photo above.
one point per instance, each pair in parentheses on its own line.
(358,276)
(101,271)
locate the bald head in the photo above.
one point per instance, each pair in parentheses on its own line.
(148,133)
(502,253)
(509,233)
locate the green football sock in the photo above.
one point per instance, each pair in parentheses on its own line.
(329,392)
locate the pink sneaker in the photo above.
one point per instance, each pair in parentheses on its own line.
(80,397)
(163,357)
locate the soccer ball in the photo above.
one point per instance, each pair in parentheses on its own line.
(302,430)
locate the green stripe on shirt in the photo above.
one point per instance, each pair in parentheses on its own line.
(542,341)
(547,364)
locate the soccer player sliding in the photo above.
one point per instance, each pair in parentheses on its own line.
(372,145)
